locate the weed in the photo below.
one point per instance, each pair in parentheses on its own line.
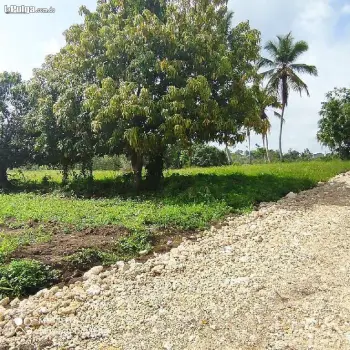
(134,243)
(25,277)
(86,258)
(11,241)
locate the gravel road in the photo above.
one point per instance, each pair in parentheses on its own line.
(278,278)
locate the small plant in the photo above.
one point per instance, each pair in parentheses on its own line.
(25,277)
(134,243)
(86,258)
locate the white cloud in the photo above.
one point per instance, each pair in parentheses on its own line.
(317,22)
(346,9)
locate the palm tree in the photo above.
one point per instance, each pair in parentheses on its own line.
(264,99)
(283,70)
(264,130)
(251,122)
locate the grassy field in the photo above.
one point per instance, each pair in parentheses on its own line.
(61,227)
(190,198)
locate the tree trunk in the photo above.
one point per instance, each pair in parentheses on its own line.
(137,165)
(264,146)
(154,169)
(250,153)
(267,149)
(65,174)
(3,177)
(87,169)
(281,129)
(228,154)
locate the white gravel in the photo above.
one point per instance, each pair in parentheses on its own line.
(278,278)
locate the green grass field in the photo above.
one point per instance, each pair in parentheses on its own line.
(190,198)
(113,223)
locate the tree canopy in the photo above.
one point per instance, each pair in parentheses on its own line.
(136,77)
(15,147)
(143,79)
(335,122)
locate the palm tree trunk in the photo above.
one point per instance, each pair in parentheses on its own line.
(263,140)
(228,154)
(267,149)
(281,129)
(250,153)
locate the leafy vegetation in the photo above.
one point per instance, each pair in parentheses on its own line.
(10,241)
(139,87)
(14,144)
(133,244)
(207,156)
(131,81)
(25,277)
(86,258)
(190,199)
(335,122)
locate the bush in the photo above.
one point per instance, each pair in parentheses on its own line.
(86,258)
(112,163)
(134,243)
(25,277)
(206,156)
(176,157)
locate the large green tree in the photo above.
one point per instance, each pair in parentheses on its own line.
(62,127)
(15,142)
(283,73)
(164,75)
(335,122)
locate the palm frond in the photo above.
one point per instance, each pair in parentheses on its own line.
(265,62)
(282,38)
(279,116)
(285,47)
(276,104)
(263,115)
(273,85)
(296,83)
(268,73)
(304,68)
(272,48)
(274,78)
(298,49)
(228,21)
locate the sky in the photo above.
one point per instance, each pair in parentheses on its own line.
(325,24)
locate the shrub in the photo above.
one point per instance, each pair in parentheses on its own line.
(206,156)
(25,277)
(86,258)
(134,243)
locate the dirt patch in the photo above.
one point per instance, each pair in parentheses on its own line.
(64,244)
(66,241)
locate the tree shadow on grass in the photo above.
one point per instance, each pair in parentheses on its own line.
(238,191)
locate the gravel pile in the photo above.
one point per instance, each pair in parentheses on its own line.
(278,278)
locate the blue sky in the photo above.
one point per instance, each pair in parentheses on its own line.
(325,24)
